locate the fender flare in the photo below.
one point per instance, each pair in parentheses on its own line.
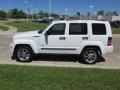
(27,42)
(92,43)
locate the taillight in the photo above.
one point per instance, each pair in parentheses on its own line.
(109,41)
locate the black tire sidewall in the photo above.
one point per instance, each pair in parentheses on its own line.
(29,49)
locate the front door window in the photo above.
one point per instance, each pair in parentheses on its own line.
(57,29)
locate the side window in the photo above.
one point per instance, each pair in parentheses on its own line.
(98,29)
(78,29)
(57,29)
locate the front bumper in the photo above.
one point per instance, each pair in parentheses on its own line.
(11,47)
(12,51)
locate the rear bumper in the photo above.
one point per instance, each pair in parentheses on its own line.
(108,49)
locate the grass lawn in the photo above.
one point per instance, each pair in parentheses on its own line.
(4,28)
(27,26)
(116,30)
(48,78)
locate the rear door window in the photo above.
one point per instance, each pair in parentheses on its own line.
(98,29)
(78,29)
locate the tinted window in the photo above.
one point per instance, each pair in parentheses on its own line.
(98,29)
(78,29)
(57,29)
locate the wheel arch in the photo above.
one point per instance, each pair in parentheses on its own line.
(15,48)
(17,45)
(95,47)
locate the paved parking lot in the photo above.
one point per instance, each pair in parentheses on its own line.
(111,61)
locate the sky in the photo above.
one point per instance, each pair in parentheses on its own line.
(58,6)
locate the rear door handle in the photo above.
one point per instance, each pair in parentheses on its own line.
(84,38)
(62,38)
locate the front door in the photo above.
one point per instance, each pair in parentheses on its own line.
(55,39)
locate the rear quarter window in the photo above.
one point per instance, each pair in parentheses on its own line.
(98,29)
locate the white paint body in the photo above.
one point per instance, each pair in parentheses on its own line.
(73,44)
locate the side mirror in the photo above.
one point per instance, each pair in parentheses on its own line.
(47,33)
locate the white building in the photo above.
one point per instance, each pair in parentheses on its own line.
(115,18)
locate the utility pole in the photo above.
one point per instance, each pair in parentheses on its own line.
(50,7)
(9,16)
(26,2)
(66,13)
(37,18)
(91,11)
(31,11)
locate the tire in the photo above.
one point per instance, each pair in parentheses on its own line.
(24,54)
(89,56)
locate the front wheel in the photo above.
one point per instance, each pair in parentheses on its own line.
(90,55)
(24,54)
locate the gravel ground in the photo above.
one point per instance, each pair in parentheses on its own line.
(110,61)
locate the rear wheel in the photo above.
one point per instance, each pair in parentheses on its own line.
(90,55)
(24,54)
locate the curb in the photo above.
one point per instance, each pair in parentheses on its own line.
(50,64)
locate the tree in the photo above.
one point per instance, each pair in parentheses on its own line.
(115,13)
(55,15)
(46,14)
(43,14)
(78,13)
(88,14)
(21,14)
(3,14)
(109,13)
(112,13)
(101,12)
(17,14)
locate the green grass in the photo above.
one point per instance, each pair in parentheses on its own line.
(27,26)
(116,30)
(3,28)
(48,78)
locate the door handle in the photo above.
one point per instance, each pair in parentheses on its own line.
(62,38)
(84,38)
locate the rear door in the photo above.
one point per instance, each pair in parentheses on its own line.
(77,34)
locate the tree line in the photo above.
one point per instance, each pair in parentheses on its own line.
(20,14)
(100,12)
(109,13)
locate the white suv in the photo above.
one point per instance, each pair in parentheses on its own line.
(88,39)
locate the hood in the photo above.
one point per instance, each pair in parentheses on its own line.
(27,34)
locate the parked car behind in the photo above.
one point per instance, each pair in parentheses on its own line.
(115,24)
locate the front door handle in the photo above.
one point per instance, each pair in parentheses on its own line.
(62,38)
(84,38)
